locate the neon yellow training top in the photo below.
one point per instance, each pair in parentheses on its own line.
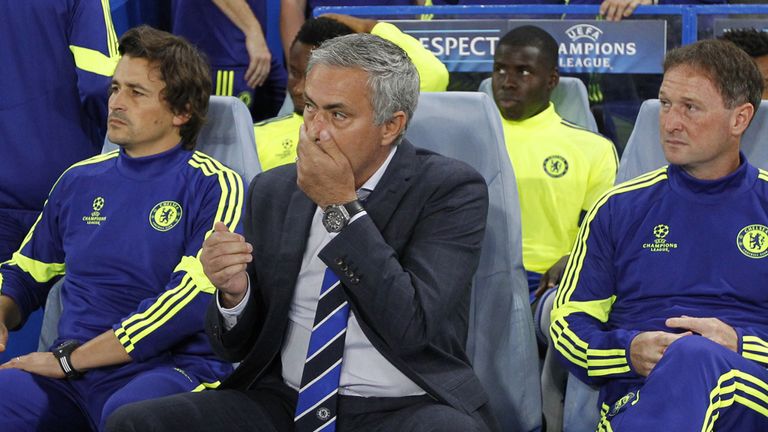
(561,169)
(276,138)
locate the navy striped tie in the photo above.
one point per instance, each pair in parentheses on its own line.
(316,406)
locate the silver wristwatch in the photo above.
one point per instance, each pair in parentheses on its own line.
(337,216)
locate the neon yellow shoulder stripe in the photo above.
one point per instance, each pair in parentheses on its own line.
(110,30)
(95,61)
(40,271)
(93,160)
(43,272)
(575,263)
(232,196)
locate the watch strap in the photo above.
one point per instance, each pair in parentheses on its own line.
(63,354)
(353,208)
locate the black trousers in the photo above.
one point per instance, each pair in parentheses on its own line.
(269,407)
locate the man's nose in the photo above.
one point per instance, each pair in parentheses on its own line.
(315,124)
(115,101)
(508,81)
(671,120)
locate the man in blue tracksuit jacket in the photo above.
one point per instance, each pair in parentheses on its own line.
(663,302)
(126,228)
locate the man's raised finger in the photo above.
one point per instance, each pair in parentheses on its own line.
(221,234)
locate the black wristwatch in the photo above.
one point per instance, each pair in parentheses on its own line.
(62,354)
(337,216)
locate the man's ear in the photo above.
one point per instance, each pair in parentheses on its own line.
(393,128)
(181,119)
(742,116)
(554,79)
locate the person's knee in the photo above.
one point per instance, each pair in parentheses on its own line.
(693,349)
(113,404)
(691,353)
(128,418)
(24,387)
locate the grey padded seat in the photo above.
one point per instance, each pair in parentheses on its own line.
(571,103)
(570,100)
(501,341)
(227,136)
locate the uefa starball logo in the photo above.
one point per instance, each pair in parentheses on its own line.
(95,217)
(660,241)
(586,50)
(584,31)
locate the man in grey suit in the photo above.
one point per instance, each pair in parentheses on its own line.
(399,227)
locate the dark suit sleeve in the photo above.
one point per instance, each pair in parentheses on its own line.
(234,345)
(406,298)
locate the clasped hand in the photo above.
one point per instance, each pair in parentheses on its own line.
(647,348)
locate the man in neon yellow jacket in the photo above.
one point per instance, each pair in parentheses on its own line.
(276,138)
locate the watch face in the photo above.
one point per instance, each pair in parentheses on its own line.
(334,220)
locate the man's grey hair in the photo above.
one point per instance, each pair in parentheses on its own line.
(392,78)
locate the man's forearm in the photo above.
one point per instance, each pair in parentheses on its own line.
(240,14)
(10,314)
(103,350)
(291,20)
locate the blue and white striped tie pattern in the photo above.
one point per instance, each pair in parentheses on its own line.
(316,406)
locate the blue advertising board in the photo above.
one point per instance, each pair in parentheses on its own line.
(584,45)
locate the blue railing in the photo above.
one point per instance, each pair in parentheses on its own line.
(689,14)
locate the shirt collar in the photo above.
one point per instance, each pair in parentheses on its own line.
(370,185)
(542,119)
(741,180)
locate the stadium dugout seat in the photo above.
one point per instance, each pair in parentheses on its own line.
(501,341)
(643,152)
(227,136)
(570,99)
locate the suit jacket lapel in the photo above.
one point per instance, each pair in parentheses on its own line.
(298,220)
(393,185)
